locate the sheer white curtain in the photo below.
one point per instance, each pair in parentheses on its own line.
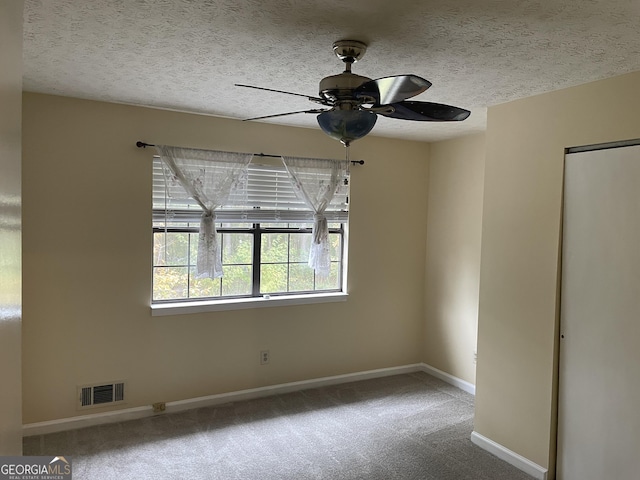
(315,182)
(209,177)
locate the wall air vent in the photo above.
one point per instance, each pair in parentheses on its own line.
(98,395)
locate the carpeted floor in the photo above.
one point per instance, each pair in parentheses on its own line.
(411,426)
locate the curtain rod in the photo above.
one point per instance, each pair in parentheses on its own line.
(140,144)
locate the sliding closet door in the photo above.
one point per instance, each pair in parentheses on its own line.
(599,384)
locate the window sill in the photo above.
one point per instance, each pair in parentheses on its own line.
(179,308)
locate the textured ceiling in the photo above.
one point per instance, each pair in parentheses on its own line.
(187,55)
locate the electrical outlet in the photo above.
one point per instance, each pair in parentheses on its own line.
(264,357)
(159,407)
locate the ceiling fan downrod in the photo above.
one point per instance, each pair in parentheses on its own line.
(339,88)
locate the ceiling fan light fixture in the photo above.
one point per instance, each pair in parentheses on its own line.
(347,125)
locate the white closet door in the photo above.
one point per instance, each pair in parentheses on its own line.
(599,383)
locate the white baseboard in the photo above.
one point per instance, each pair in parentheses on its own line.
(252,393)
(81,421)
(444,376)
(53,426)
(518,461)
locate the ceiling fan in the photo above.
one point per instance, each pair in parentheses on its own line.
(353,102)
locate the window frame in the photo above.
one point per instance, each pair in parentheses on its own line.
(226,302)
(283,213)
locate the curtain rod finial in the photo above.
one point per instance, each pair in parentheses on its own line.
(140,144)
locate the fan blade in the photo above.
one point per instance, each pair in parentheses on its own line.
(425,112)
(392,89)
(313,99)
(314,110)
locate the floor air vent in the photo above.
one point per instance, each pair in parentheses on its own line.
(100,394)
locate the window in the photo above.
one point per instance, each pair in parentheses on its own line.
(264,241)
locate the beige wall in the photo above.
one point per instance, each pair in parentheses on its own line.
(456,174)
(87,263)
(518,320)
(10,234)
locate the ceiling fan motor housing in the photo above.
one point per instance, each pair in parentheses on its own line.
(341,87)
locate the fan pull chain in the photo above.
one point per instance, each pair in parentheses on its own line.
(346,148)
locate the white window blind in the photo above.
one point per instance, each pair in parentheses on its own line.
(269,198)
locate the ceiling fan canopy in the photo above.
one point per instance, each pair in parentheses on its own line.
(353,102)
